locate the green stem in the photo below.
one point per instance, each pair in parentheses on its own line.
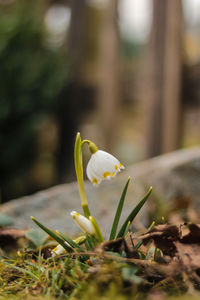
(86,211)
(78,160)
(92,147)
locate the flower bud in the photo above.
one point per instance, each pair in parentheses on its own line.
(83,223)
(58,250)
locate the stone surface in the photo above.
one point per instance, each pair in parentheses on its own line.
(171,175)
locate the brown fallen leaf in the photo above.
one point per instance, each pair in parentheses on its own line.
(180,242)
(119,245)
(114,246)
(193,236)
(9,237)
(188,254)
(164,237)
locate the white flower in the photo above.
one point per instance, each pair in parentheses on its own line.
(101,166)
(58,250)
(83,223)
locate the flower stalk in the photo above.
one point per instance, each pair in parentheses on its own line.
(79,173)
(78,160)
(92,147)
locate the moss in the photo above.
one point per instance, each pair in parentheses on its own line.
(31,277)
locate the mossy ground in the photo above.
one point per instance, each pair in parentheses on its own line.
(31,276)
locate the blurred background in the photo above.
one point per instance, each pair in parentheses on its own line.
(124,73)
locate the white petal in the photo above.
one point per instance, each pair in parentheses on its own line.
(58,250)
(91,172)
(83,222)
(102,163)
(101,166)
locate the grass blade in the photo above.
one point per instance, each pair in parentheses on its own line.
(134,213)
(90,244)
(118,212)
(137,246)
(53,235)
(70,242)
(28,272)
(127,228)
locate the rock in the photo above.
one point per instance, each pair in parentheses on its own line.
(52,207)
(171,175)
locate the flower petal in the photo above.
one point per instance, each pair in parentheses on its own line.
(58,250)
(101,166)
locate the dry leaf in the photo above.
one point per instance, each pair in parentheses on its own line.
(9,236)
(164,237)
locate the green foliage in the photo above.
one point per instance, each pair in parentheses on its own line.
(32,75)
(129,274)
(134,213)
(137,246)
(37,236)
(119,211)
(5,220)
(54,235)
(71,242)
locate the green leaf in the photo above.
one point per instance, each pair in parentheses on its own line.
(37,236)
(77,155)
(129,274)
(5,220)
(70,242)
(90,243)
(98,233)
(118,212)
(134,213)
(80,240)
(127,228)
(53,235)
